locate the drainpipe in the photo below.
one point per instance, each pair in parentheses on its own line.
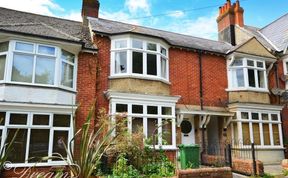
(201,97)
(200,78)
(277,79)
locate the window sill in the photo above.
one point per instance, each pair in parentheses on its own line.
(28,165)
(247,89)
(38,86)
(140,77)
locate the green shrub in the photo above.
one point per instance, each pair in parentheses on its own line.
(123,170)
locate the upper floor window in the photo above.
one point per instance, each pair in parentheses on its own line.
(31,63)
(247,74)
(139,58)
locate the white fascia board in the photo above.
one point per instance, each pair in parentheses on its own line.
(237,106)
(141,97)
(251,56)
(24,107)
(211,113)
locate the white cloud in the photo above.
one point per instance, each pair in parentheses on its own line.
(136,5)
(73,15)
(205,27)
(176,14)
(44,7)
(119,16)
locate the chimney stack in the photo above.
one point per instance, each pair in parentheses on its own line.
(229,16)
(90,8)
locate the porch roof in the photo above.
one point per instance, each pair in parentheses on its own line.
(196,110)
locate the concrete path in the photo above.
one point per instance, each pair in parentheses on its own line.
(275,170)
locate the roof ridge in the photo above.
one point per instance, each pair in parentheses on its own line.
(20,24)
(160,30)
(273,21)
(63,33)
(59,18)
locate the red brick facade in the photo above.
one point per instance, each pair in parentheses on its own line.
(185,80)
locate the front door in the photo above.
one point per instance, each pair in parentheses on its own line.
(187,131)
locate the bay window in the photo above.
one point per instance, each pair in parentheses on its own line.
(39,135)
(139,58)
(157,122)
(261,128)
(247,74)
(3,54)
(36,64)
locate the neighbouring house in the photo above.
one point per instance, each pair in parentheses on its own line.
(190,90)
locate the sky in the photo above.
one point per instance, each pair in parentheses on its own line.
(191,17)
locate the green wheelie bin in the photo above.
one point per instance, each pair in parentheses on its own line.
(189,156)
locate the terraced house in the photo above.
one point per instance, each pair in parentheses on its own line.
(206,92)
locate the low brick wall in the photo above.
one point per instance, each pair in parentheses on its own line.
(242,166)
(223,172)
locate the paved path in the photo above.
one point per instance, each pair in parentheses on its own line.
(275,170)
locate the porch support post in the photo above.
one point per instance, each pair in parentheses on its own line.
(227,121)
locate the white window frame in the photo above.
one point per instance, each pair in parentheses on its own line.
(245,67)
(239,121)
(29,126)
(6,62)
(129,49)
(146,100)
(285,70)
(57,70)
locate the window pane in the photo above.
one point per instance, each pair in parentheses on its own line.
(46,50)
(266,134)
(60,120)
(246,134)
(45,70)
(137,44)
(256,134)
(18,151)
(235,133)
(166,132)
(24,47)
(274,117)
(276,134)
(137,125)
(163,68)
(22,68)
(152,130)
(250,63)
(67,75)
(120,62)
(121,108)
(68,56)
(166,111)
(163,51)
(137,109)
(60,141)
(2,66)
(151,64)
(261,80)
(2,118)
(40,119)
(265,117)
(152,110)
(151,47)
(240,77)
(18,119)
(121,44)
(286,67)
(260,64)
(255,116)
(137,63)
(251,78)
(244,115)
(4,46)
(39,144)
(238,62)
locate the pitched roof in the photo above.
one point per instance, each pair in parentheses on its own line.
(277,32)
(254,31)
(13,21)
(109,27)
